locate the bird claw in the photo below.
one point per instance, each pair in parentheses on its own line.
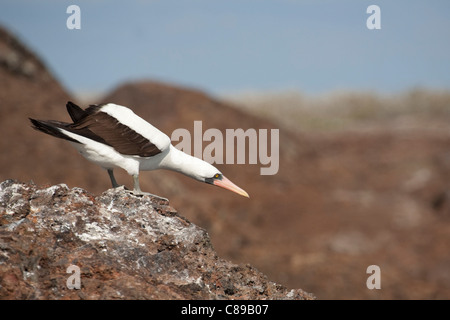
(139,193)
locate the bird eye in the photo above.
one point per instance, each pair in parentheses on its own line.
(217,176)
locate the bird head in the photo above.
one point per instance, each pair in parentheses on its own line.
(199,169)
(218,179)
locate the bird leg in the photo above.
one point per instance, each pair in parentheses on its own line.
(137,189)
(113,179)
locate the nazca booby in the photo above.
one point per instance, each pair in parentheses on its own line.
(113,136)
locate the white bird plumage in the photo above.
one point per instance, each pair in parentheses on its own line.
(113,136)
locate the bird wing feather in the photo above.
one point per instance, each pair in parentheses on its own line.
(119,136)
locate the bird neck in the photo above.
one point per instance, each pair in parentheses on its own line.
(177,160)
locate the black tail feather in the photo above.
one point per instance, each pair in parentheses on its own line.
(51,128)
(75,112)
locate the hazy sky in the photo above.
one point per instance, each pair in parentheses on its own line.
(233,46)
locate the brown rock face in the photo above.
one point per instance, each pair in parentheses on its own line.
(61,243)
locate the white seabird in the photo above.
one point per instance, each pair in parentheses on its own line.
(113,136)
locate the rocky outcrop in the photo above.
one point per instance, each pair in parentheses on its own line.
(61,243)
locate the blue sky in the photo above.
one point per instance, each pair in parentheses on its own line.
(231,46)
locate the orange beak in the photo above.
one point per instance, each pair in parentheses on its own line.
(227,184)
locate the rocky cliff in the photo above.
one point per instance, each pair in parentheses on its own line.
(61,243)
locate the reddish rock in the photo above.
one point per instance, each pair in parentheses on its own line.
(123,246)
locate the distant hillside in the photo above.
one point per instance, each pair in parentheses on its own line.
(343,110)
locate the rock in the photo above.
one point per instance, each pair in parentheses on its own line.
(117,246)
